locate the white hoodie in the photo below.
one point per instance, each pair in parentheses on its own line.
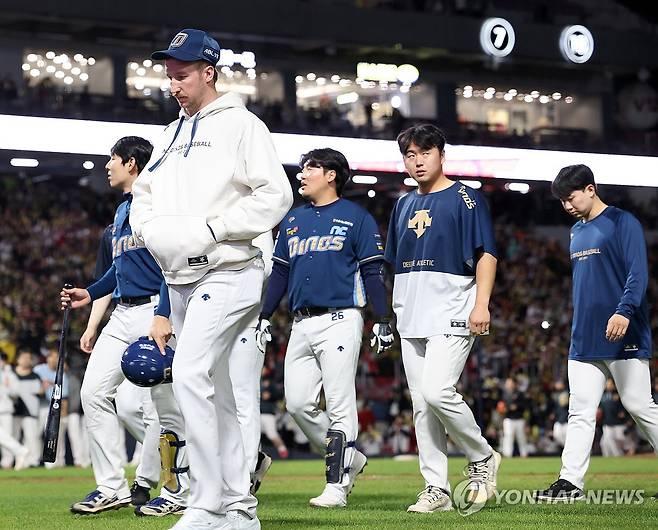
(214,183)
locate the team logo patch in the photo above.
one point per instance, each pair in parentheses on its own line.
(420,222)
(292,231)
(178,40)
(205,296)
(197,261)
(458,324)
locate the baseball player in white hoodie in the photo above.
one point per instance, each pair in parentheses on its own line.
(213,184)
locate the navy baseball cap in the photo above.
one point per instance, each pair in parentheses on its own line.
(191,45)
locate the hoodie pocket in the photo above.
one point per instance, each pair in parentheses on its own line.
(179,242)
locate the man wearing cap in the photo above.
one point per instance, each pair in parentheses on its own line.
(213,184)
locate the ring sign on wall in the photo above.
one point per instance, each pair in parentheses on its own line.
(497,37)
(576,44)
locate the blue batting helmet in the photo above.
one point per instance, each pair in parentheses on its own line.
(144,365)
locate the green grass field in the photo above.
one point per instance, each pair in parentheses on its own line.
(39,498)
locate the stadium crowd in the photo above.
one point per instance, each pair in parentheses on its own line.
(515,379)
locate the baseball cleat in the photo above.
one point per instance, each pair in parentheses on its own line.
(139,494)
(431,499)
(240,520)
(333,496)
(198,519)
(560,491)
(483,476)
(359,463)
(97,502)
(262,466)
(159,507)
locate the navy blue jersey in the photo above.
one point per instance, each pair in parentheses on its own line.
(324,246)
(610,275)
(134,272)
(433,242)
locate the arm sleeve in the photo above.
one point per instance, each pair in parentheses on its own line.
(271,195)
(369,245)
(105,285)
(104,256)
(478,235)
(281,248)
(634,252)
(276,288)
(164,307)
(391,240)
(373,279)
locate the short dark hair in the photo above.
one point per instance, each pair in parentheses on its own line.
(424,135)
(133,147)
(329,159)
(570,179)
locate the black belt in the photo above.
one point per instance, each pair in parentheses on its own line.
(135,300)
(315,311)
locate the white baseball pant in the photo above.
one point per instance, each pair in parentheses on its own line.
(586,384)
(99,388)
(433,367)
(323,352)
(31,437)
(560,433)
(208,315)
(514,430)
(245,367)
(8,444)
(613,440)
(137,414)
(79,439)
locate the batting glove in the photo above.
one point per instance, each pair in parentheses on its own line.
(263,334)
(382,337)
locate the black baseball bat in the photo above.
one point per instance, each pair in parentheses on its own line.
(55,411)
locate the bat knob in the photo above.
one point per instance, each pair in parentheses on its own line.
(68,286)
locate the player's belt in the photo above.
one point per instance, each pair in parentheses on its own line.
(135,300)
(314,311)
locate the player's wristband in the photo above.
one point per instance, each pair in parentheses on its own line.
(264,316)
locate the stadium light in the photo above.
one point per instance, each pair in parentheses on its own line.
(24,162)
(364,179)
(475,184)
(520,187)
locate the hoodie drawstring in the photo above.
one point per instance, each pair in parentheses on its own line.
(194,125)
(164,154)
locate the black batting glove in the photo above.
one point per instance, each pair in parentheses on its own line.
(381,338)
